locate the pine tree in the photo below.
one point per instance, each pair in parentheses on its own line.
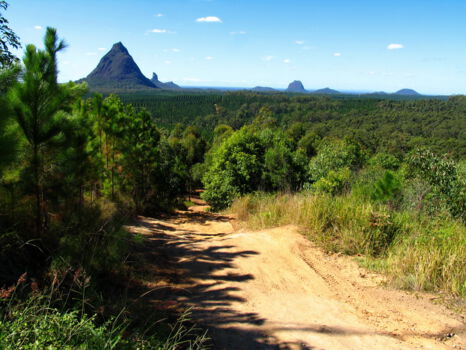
(39,104)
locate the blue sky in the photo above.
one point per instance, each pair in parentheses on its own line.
(346,45)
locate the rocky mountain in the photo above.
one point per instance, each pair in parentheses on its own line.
(296,86)
(407,92)
(326,91)
(169,85)
(117,69)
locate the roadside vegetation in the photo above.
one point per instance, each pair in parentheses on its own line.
(73,171)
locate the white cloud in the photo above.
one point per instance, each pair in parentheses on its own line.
(159,31)
(241,32)
(287,61)
(102,49)
(159,15)
(395,46)
(268,58)
(167,62)
(337,54)
(38,27)
(212,19)
(299,42)
(209,58)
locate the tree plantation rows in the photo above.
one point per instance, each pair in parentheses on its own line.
(380,124)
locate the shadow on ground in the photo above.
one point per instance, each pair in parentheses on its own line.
(196,278)
(174,273)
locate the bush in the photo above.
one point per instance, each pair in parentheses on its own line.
(334,182)
(386,188)
(335,155)
(237,169)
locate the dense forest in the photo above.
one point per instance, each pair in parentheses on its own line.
(76,166)
(387,124)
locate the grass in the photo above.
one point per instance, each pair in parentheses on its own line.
(34,324)
(415,251)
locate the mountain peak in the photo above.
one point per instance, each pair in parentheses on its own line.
(296,86)
(117,69)
(170,85)
(119,47)
(407,92)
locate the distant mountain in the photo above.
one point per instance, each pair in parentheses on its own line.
(118,70)
(407,92)
(263,89)
(296,86)
(170,85)
(326,91)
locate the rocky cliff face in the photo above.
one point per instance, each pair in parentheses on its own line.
(296,86)
(118,69)
(169,85)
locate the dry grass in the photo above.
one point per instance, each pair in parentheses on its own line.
(416,252)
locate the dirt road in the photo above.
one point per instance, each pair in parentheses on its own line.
(273,289)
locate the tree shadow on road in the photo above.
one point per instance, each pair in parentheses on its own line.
(186,275)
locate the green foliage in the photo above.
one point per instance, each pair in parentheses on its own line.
(35,325)
(386,124)
(335,155)
(39,104)
(334,182)
(8,39)
(386,188)
(237,168)
(446,183)
(284,167)
(385,161)
(8,137)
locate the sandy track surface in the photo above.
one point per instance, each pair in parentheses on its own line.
(274,289)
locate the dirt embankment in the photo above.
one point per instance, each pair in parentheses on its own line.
(274,289)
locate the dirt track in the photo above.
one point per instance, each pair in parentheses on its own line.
(273,289)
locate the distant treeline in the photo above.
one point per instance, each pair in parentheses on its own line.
(381,124)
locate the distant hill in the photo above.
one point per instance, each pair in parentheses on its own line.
(117,69)
(263,89)
(326,91)
(296,86)
(407,92)
(170,85)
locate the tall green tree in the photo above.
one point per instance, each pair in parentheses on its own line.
(40,104)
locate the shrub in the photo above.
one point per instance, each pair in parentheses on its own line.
(386,188)
(334,182)
(335,155)
(237,169)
